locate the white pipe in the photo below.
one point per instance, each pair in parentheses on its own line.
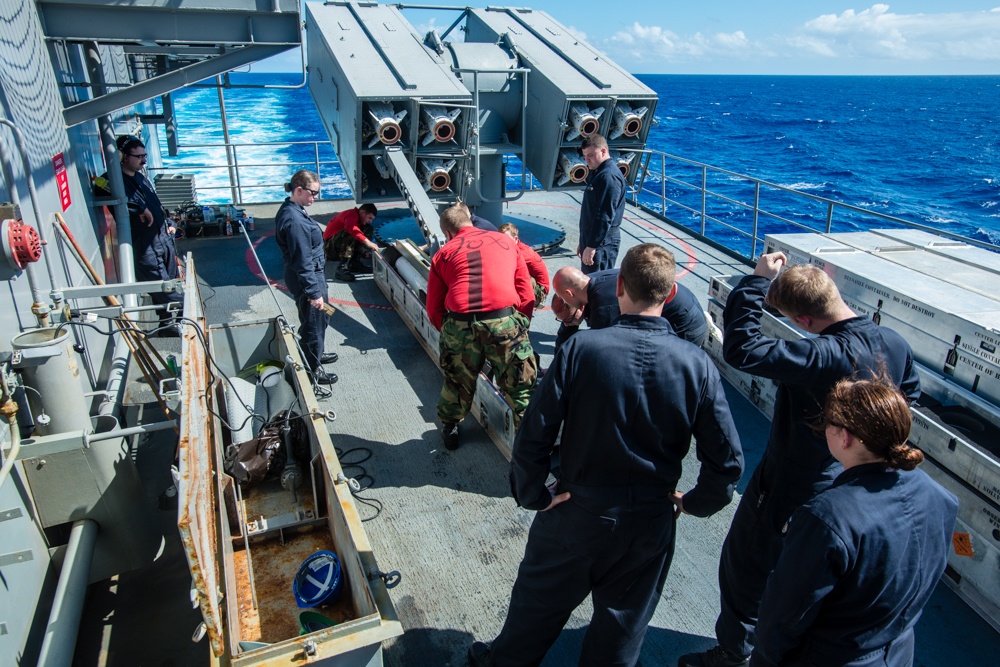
(9,407)
(71,592)
(116,380)
(132,430)
(15,449)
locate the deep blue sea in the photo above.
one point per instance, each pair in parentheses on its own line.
(925,149)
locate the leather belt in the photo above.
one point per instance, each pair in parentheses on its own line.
(484,315)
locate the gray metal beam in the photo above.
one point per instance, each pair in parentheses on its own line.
(165,83)
(185,51)
(184,21)
(413,191)
(120,289)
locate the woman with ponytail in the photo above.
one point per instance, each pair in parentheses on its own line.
(862,558)
(300,240)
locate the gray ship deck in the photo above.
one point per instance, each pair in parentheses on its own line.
(445,520)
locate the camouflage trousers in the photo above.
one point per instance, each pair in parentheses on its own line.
(343,246)
(540,293)
(466,346)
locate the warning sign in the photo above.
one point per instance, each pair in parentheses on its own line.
(62,181)
(962,543)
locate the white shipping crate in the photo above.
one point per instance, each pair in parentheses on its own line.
(936,307)
(761,392)
(963,252)
(965,275)
(953,425)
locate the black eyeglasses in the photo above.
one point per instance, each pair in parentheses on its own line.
(140,156)
(314,193)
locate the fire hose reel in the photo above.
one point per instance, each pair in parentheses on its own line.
(21,244)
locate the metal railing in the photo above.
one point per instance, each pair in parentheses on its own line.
(239,184)
(734,210)
(737,210)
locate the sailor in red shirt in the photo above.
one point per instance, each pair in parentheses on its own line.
(346,235)
(536,267)
(479,297)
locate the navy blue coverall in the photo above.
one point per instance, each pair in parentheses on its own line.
(153,251)
(482,223)
(628,398)
(601,216)
(797,463)
(300,241)
(683,312)
(859,563)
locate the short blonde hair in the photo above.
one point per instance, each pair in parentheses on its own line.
(454,218)
(509,229)
(804,289)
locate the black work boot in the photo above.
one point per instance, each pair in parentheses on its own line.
(358,265)
(449,435)
(320,376)
(713,657)
(480,655)
(343,273)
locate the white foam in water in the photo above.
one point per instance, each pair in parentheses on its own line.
(705,118)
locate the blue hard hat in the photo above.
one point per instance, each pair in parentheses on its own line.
(318,580)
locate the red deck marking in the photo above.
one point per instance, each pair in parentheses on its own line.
(690,256)
(255,268)
(256,271)
(374,306)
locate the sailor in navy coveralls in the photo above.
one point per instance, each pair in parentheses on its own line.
(862,558)
(797,463)
(628,399)
(594,296)
(153,254)
(602,209)
(300,241)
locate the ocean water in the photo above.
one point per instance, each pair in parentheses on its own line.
(925,149)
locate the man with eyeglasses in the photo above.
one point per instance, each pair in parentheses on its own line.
(153,252)
(797,464)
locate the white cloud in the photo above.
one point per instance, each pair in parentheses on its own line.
(878,33)
(649,44)
(853,40)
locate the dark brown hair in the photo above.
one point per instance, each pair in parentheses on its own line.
(128,141)
(878,415)
(303,178)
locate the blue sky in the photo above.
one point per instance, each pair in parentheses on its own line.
(767,36)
